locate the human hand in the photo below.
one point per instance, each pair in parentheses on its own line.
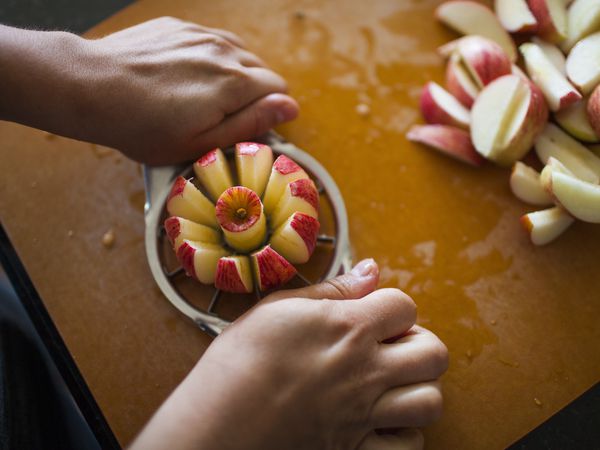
(301,372)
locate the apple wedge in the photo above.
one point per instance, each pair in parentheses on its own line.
(484,59)
(553,165)
(506,117)
(516,70)
(179,229)
(545,226)
(559,93)
(271,270)
(200,259)
(253,162)
(296,239)
(440,107)
(583,64)
(283,172)
(553,53)
(515,16)
(554,142)
(593,111)
(213,172)
(551,16)
(451,141)
(525,184)
(459,82)
(234,274)
(469,17)
(583,18)
(298,196)
(186,201)
(579,198)
(574,120)
(240,215)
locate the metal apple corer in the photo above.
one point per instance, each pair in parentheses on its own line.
(200,303)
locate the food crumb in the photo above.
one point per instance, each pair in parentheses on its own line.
(33,184)
(469,354)
(300,15)
(508,363)
(537,401)
(49,136)
(493,321)
(363,110)
(70,233)
(108,240)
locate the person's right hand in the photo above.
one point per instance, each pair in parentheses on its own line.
(309,369)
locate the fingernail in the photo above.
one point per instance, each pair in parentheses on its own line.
(365,268)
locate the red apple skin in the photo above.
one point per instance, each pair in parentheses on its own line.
(569,99)
(185,255)
(455,88)
(273,269)
(593,110)
(486,58)
(545,29)
(451,141)
(285,165)
(537,117)
(307,228)
(227,277)
(208,158)
(432,112)
(172,228)
(306,189)
(177,188)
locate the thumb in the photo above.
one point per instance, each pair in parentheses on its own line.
(249,122)
(360,281)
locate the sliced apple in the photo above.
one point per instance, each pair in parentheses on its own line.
(484,59)
(545,226)
(553,53)
(440,107)
(179,229)
(595,149)
(283,172)
(459,82)
(240,214)
(234,274)
(583,18)
(213,172)
(551,16)
(506,117)
(583,63)
(199,259)
(186,201)
(574,120)
(553,165)
(451,141)
(271,270)
(515,16)
(300,195)
(525,184)
(593,112)
(554,142)
(469,17)
(296,239)
(579,198)
(516,70)
(253,163)
(559,93)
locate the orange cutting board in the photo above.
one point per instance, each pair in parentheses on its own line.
(521,322)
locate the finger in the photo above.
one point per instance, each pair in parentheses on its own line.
(225,34)
(249,59)
(415,405)
(254,120)
(386,312)
(357,283)
(403,439)
(418,356)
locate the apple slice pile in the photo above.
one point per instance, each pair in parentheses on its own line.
(491,109)
(247,236)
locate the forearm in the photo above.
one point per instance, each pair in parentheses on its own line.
(42,78)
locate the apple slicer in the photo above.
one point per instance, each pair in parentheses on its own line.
(206,305)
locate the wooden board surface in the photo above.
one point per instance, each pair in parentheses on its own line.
(521,322)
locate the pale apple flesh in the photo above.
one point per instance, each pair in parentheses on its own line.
(271,270)
(234,274)
(484,59)
(240,215)
(186,201)
(574,120)
(298,196)
(439,107)
(284,171)
(253,162)
(515,16)
(553,165)
(213,172)
(459,82)
(179,229)
(451,141)
(200,259)
(579,198)
(525,185)
(296,239)
(546,225)
(551,16)
(583,18)
(583,64)
(553,53)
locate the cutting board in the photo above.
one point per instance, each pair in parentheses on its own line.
(521,322)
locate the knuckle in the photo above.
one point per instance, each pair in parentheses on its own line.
(339,287)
